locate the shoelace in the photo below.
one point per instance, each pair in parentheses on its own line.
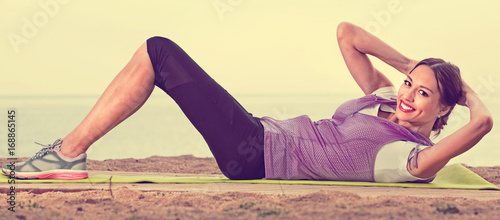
(46,149)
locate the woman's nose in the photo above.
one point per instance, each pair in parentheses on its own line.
(409,96)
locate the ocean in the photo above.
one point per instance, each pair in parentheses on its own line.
(160,127)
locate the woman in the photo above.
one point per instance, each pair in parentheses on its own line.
(375,138)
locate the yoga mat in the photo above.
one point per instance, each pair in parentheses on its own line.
(454,176)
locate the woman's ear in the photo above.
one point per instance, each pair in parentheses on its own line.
(444,110)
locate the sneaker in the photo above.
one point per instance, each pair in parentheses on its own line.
(49,163)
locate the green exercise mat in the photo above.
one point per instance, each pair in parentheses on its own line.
(454,176)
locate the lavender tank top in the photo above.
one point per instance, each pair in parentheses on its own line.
(341,148)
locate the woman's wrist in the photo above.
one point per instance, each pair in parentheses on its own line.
(410,65)
(471,98)
(478,111)
(404,65)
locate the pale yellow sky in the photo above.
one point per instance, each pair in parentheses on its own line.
(71,47)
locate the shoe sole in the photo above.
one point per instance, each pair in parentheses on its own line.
(51,174)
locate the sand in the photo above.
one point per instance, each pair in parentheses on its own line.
(178,201)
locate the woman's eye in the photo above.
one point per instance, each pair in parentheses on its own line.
(422,92)
(408,83)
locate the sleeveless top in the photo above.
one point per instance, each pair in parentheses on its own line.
(341,148)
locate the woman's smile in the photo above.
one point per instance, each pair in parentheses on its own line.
(405,107)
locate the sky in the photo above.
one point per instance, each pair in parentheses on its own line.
(251,47)
(71,47)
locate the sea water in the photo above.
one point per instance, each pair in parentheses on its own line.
(160,127)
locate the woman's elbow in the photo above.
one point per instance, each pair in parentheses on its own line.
(487,123)
(345,31)
(423,172)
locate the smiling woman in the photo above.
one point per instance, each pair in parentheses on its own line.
(434,94)
(449,87)
(373,138)
(425,100)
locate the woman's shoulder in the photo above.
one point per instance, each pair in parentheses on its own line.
(388,92)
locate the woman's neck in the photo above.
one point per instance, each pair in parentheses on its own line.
(424,129)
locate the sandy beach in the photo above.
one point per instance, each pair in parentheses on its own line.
(243,201)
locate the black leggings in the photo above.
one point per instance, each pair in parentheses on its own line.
(234,136)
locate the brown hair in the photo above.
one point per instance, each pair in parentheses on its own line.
(449,84)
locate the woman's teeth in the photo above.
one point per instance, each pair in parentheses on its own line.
(405,107)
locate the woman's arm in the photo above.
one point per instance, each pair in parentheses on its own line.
(355,43)
(432,159)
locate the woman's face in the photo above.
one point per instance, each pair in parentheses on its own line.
(418,99)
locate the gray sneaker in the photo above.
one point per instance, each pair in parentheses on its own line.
(49,163)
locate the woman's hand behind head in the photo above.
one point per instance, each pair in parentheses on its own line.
(466,90)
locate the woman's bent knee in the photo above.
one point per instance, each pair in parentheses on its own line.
(172,66)
(159,41)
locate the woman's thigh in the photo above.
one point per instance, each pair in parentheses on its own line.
(234,136)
